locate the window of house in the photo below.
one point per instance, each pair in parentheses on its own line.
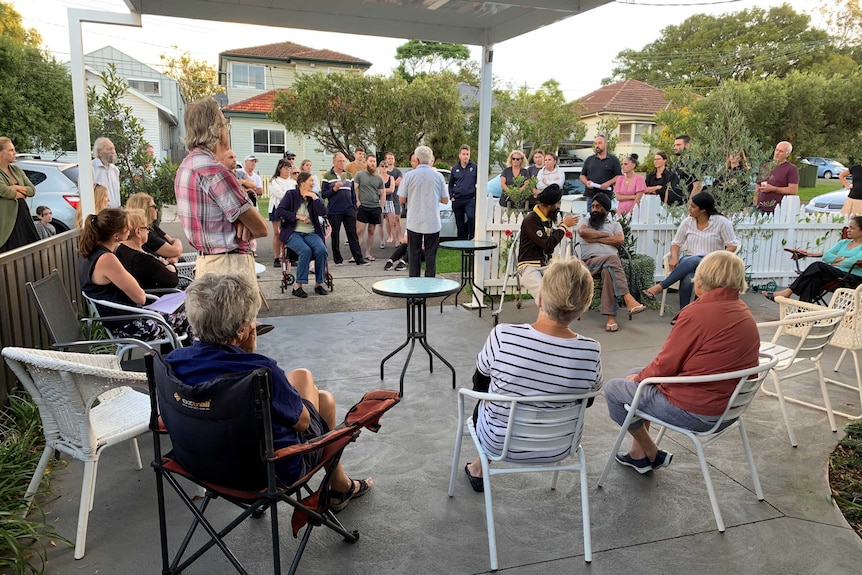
(246,76)
(269,141)
(642,130)
(150,87)
(625,133)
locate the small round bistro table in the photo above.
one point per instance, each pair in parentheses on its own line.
(468,249)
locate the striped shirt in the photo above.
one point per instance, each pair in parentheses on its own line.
(209,204)
(522,361)
(694,242)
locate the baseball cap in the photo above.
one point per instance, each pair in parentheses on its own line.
(250,157)
(289,154)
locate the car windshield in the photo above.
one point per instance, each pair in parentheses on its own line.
(72,173)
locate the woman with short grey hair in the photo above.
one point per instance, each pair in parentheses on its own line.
(222,308)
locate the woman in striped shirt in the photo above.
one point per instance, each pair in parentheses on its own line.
(704,232)
(542,358)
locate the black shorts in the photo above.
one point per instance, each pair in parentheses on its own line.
(316,427)
(369,215)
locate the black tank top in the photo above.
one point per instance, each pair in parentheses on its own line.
(108,292)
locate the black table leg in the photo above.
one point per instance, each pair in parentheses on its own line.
(417,316)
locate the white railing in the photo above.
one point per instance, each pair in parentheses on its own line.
(763,237)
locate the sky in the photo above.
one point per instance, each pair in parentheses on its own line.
(577,52)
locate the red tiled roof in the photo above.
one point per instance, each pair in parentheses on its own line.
(262,103)
(628,97)
(290,51)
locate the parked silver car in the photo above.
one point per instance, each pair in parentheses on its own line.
(828,203)
(56,187)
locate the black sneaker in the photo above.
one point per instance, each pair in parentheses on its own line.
(642,465)
(401,266)
(662,459)
(299,292)
(320,290)
(388,266)
(363,263)
(276,263)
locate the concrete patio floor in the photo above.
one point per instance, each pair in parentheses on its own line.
(658,523)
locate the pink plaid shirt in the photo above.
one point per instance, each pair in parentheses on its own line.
(209,204)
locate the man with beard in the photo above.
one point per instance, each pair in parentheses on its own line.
(685,170)
(105,171)
(539,236)
(601,237)
(600,170)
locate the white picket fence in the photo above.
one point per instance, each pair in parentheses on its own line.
(763,237)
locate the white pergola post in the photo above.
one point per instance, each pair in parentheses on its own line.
(480,267)
(79,92)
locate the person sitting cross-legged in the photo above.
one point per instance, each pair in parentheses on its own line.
(542,358)
(714,334)
(222,308)
(601,237)
(539,236)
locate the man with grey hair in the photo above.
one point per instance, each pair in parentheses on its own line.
(105,172)
(425,189)
(215,213)
(783,180)
(223,308)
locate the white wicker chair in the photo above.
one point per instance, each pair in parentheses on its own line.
(65,388)
(848,337)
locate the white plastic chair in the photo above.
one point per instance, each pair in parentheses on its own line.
(65,387)
(529,430)
(749,381)
(665,263)
(848,337)
(169,336)
(812,326)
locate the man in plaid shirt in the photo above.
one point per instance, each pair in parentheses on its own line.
(216,215)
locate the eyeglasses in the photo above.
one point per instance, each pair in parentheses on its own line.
(517,159)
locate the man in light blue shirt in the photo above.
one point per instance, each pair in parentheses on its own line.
(425,189)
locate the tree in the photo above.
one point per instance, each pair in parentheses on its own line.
(419,58)
(196,78)
(12,28)
(36,92)
(109,117)
(344,111)
(706,50)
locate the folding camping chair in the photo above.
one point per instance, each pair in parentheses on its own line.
(221,433)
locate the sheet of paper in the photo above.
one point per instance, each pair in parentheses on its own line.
(168,303)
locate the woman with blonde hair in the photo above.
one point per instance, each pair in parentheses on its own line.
(714,334)
(514,168)
(158,242)
(100,194)
(151,272)
(542,358)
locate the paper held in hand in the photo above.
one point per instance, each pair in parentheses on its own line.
(168,303)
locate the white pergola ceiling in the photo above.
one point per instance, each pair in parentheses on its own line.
(456,21)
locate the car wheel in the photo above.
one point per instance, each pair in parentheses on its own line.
(60,226)
(827,175)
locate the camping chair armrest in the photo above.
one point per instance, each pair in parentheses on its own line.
(320,442)
(368,410)
(798,254)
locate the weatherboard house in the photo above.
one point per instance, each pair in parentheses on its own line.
(252,77)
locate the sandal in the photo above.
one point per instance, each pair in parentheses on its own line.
(648,294)
(636,310)
(477,483)
(769,295)
(370,259)
(612,327)
(344,497)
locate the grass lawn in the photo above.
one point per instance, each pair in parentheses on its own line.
(823,186)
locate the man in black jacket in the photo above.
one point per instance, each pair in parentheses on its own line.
(462,191)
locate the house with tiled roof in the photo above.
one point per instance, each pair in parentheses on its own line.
(635,103)
(252,77)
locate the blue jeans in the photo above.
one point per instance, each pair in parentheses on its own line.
(308,246)
(684,274)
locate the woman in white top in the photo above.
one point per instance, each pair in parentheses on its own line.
(704,232)
(305,166)
(549,174)
(280,183)
(542,358)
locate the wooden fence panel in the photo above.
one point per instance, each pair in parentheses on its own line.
(20,321)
